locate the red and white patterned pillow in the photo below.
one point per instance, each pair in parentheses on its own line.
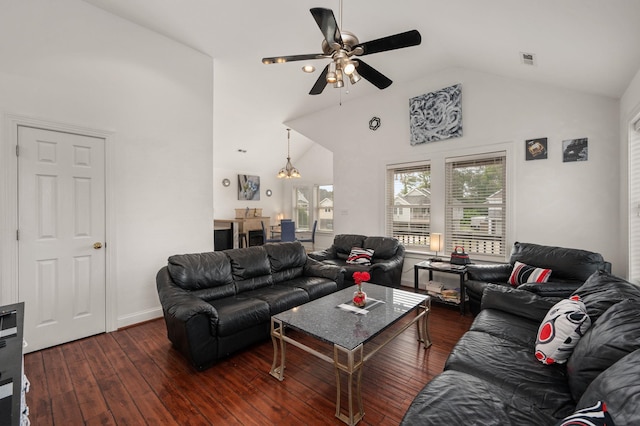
(523,273)
(360,256)
(562,327)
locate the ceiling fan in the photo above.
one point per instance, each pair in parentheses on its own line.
(344,48)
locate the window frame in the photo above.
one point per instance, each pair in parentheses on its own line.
(313,208)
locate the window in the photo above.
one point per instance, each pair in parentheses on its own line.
(313,203)
(408,202)
(475,205)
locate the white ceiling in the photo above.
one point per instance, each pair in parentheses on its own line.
(587,45)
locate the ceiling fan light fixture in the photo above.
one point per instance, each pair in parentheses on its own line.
(354,77)
(349,68)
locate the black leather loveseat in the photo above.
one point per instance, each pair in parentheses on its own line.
(493,378)
(569,270)
(386,261)
(217,303)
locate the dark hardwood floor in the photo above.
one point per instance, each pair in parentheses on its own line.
(134,377)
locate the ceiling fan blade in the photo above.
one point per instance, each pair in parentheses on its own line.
(321,82)
(397,41)
(328,25)
(291,58)
(374,76)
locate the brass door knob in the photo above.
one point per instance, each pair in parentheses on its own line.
(97,246)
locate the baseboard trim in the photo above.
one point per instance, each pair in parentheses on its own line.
(138,317)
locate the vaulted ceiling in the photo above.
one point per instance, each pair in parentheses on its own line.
(586,45)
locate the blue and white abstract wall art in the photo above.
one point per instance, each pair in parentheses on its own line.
(436,116)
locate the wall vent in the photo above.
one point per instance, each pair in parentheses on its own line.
(528,58)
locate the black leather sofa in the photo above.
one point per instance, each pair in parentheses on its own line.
(492,377)
(386,262)
(217,303)
(570,269)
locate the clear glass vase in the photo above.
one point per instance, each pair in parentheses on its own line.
(359,298)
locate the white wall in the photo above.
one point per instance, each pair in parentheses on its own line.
(68,62)
(554,203)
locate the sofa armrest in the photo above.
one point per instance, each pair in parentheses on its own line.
(314,268)
(517,302)
(388,264)
(325,254)
(495,273)
(180,303)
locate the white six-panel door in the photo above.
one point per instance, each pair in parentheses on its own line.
(61,191)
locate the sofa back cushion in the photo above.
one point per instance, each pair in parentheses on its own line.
(618,386)
(343,243)
(614,335)
(208,273)
(250,268)
(383,247)
(567,264)
(603,290)
(287,260)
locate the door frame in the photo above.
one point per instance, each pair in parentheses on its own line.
(9,279)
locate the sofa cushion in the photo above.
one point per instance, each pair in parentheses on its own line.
(566,263)
(560,331)
(238,313)
(619,388)
(603,290)
(383,247)
(280,298)
(315,287)
(614,335)
(287,260)
(513,368)
(199,271)
(523,273)
(595,415)
(360,256)
(343,243)
(250,267)
(457,398)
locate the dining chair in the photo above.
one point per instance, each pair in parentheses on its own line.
(288,231)
(264,235)
(312,239)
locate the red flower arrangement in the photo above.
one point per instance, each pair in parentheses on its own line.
(360,277)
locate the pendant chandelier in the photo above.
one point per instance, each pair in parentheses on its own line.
(288,171)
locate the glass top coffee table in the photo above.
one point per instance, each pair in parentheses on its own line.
(335,320)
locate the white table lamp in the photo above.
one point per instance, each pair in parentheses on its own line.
(435,244)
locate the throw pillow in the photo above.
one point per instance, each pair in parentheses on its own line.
(596,415)
(561,329)
(360,256)
(523,273)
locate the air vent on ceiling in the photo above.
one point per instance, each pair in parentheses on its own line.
(528,58)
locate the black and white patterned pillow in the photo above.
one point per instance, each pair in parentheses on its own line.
(596,415)
(360,256)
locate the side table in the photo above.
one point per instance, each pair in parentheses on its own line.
(447,268)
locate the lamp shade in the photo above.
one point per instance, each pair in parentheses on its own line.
(436,242)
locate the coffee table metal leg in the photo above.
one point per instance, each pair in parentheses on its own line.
(352,366)
(279,347)
(423,324)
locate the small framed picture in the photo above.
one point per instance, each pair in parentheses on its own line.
(536,149)
(575,150)
(248,187)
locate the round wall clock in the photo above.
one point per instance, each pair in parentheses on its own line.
(375,123)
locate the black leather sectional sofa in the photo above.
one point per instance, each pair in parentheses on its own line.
(493,378)
(218,303)
(386,262)
(570,269)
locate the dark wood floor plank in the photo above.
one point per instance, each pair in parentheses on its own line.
(135,376)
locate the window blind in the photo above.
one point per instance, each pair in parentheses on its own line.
(634,203)
(475,205)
